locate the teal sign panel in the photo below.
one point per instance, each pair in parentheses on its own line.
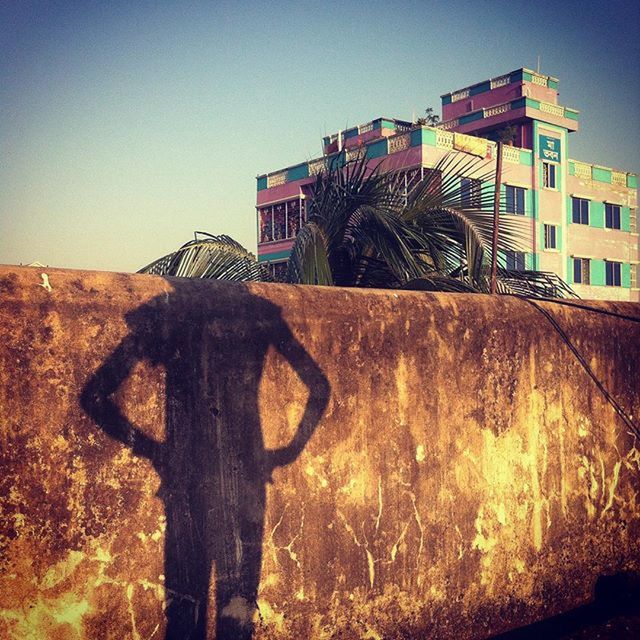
(550,149)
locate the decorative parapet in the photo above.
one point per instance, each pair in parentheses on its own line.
(511,154)
(402,128)
(449,124)
(399,143)
(542,81)
(460,95)
(501,81)
(365,128)
(316,167)
(497,110)
(583,170)
(276,179)
(586,171)
(619,178)
(553,109)
(356,153)
(444,139)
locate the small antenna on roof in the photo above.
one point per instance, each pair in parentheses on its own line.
(538,68)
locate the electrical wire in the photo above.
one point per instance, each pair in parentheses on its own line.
(627,419)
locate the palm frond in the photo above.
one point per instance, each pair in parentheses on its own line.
(215,257)
(533,284)
(309,261)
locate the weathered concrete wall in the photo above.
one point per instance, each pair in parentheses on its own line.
(466,475)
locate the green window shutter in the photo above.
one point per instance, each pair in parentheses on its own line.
(597,273)
(559,238)
(569,210)
(596,214)
(625,223)
(569,270)
(625,274)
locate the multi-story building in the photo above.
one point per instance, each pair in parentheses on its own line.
(583,223)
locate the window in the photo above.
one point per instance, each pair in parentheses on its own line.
(279,217)
(611,216)
(469,192)
(515,200)
(548,175)
(550,236)
(580,210)
(582,270)
(515,260)
(266,224)
(612,274)
(293,218)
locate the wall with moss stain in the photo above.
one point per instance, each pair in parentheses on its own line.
(466,476)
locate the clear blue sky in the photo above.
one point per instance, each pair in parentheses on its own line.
(126,126)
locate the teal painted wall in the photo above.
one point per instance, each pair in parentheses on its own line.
(351,133)
(262,183)
(632,181)
(377,149)
(478,115)
(526,158)
(602,175)
(298,172)
(480,88)
(270,257)
(423,136)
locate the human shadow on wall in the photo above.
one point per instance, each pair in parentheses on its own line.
(213,464)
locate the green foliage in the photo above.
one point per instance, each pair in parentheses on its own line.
(366,228)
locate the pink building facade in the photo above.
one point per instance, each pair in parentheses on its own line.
(581,217)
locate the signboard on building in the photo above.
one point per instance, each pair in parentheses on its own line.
(550,148)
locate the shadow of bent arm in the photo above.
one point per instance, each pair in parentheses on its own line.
(96,401)
(319,391)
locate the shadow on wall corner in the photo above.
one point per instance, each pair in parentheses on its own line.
(212,463)
(614,613)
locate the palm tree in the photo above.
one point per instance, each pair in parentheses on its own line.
(217,257)
(366,229)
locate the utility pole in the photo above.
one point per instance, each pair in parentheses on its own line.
(496,219)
